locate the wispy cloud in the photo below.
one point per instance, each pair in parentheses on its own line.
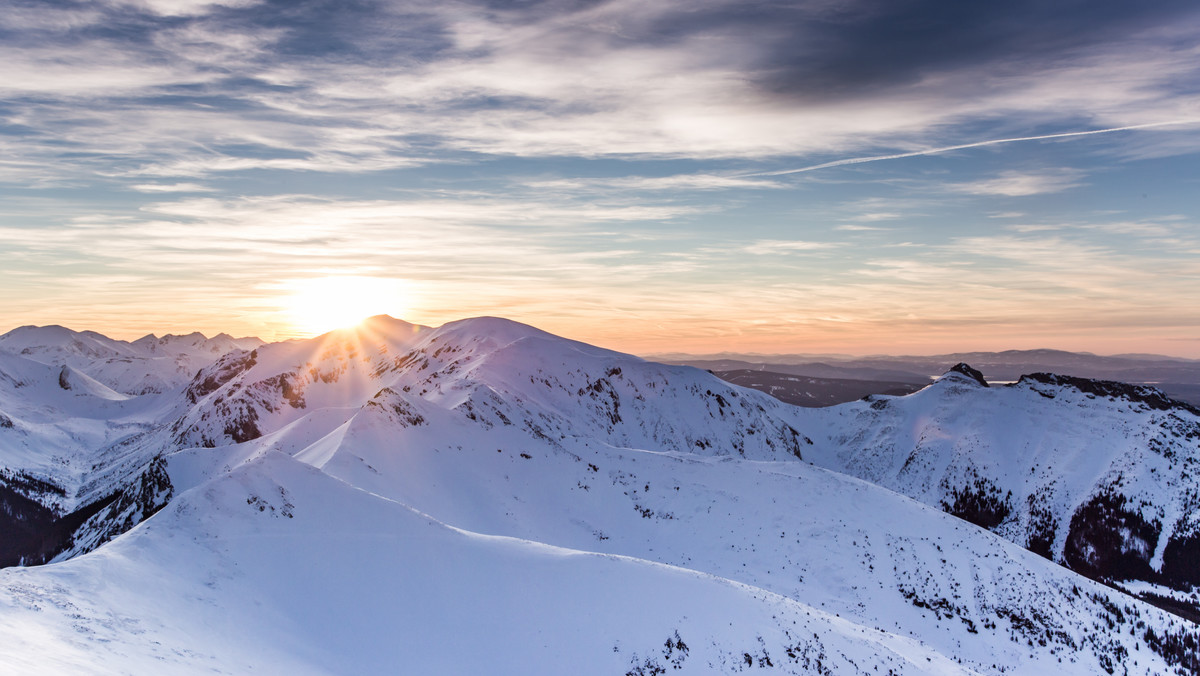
(1022,184)
(181,7)
(238,250)
(879,216)
(1032,227)
(657,183)
(170,187)
(783,247)
(859,228)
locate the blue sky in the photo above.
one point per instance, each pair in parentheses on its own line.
(621,172)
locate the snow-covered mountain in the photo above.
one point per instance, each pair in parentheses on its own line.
(487,497)
(1100,476)
(148,364)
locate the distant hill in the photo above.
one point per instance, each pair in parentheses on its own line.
(1178,377)
(813,392)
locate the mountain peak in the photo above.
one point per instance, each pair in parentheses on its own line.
(388,321)
(965,369)
(499,329)
(384,327)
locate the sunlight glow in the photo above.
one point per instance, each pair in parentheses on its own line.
(320,304)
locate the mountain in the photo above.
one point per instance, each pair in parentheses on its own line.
(812,392)
(149,364)
(487,497)
(241,394)
(1171,374)
(1097,475)
(1178,377)
(913,375)
(279,568)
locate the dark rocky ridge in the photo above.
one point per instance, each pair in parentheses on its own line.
(966,370)
(1142,394)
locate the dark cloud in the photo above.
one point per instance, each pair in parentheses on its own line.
(820,49)
(814,49)
(862,47)
(353,30)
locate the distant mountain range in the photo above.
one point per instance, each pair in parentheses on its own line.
(148,364)
(1178,377)
(485,497)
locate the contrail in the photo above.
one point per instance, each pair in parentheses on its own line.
(977,144)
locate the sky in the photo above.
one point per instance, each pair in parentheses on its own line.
(817,176)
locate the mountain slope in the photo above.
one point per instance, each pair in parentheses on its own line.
(275,566)
(319,496)
(502,429)
(1099,476)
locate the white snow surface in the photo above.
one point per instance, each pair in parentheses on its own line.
(485,497)
(149,364)
(1046,448)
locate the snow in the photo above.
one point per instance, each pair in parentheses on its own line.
(1053,446)
(147,365)
(485,497)
(384,588)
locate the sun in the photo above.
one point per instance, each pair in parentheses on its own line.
(320,304)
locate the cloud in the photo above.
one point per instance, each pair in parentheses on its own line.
(859,228)
(200,258)
(657,183)
(1026,228)
(783,247)
(582,158)
(190,88)
(1022,184)
(877,209)
(879,216)
(182,7)
(294,211)
(216,262)
(1143,229)
(262,238)
(859,46)
(170,187)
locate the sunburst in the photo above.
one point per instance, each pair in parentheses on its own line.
(320,304)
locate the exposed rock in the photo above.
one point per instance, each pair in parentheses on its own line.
(1142,394)
(966,370)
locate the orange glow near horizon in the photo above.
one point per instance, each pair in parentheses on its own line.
(320,304)
(303,307)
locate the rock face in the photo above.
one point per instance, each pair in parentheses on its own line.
(1142,394)
(35,534)
(966,370)
(487,469)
